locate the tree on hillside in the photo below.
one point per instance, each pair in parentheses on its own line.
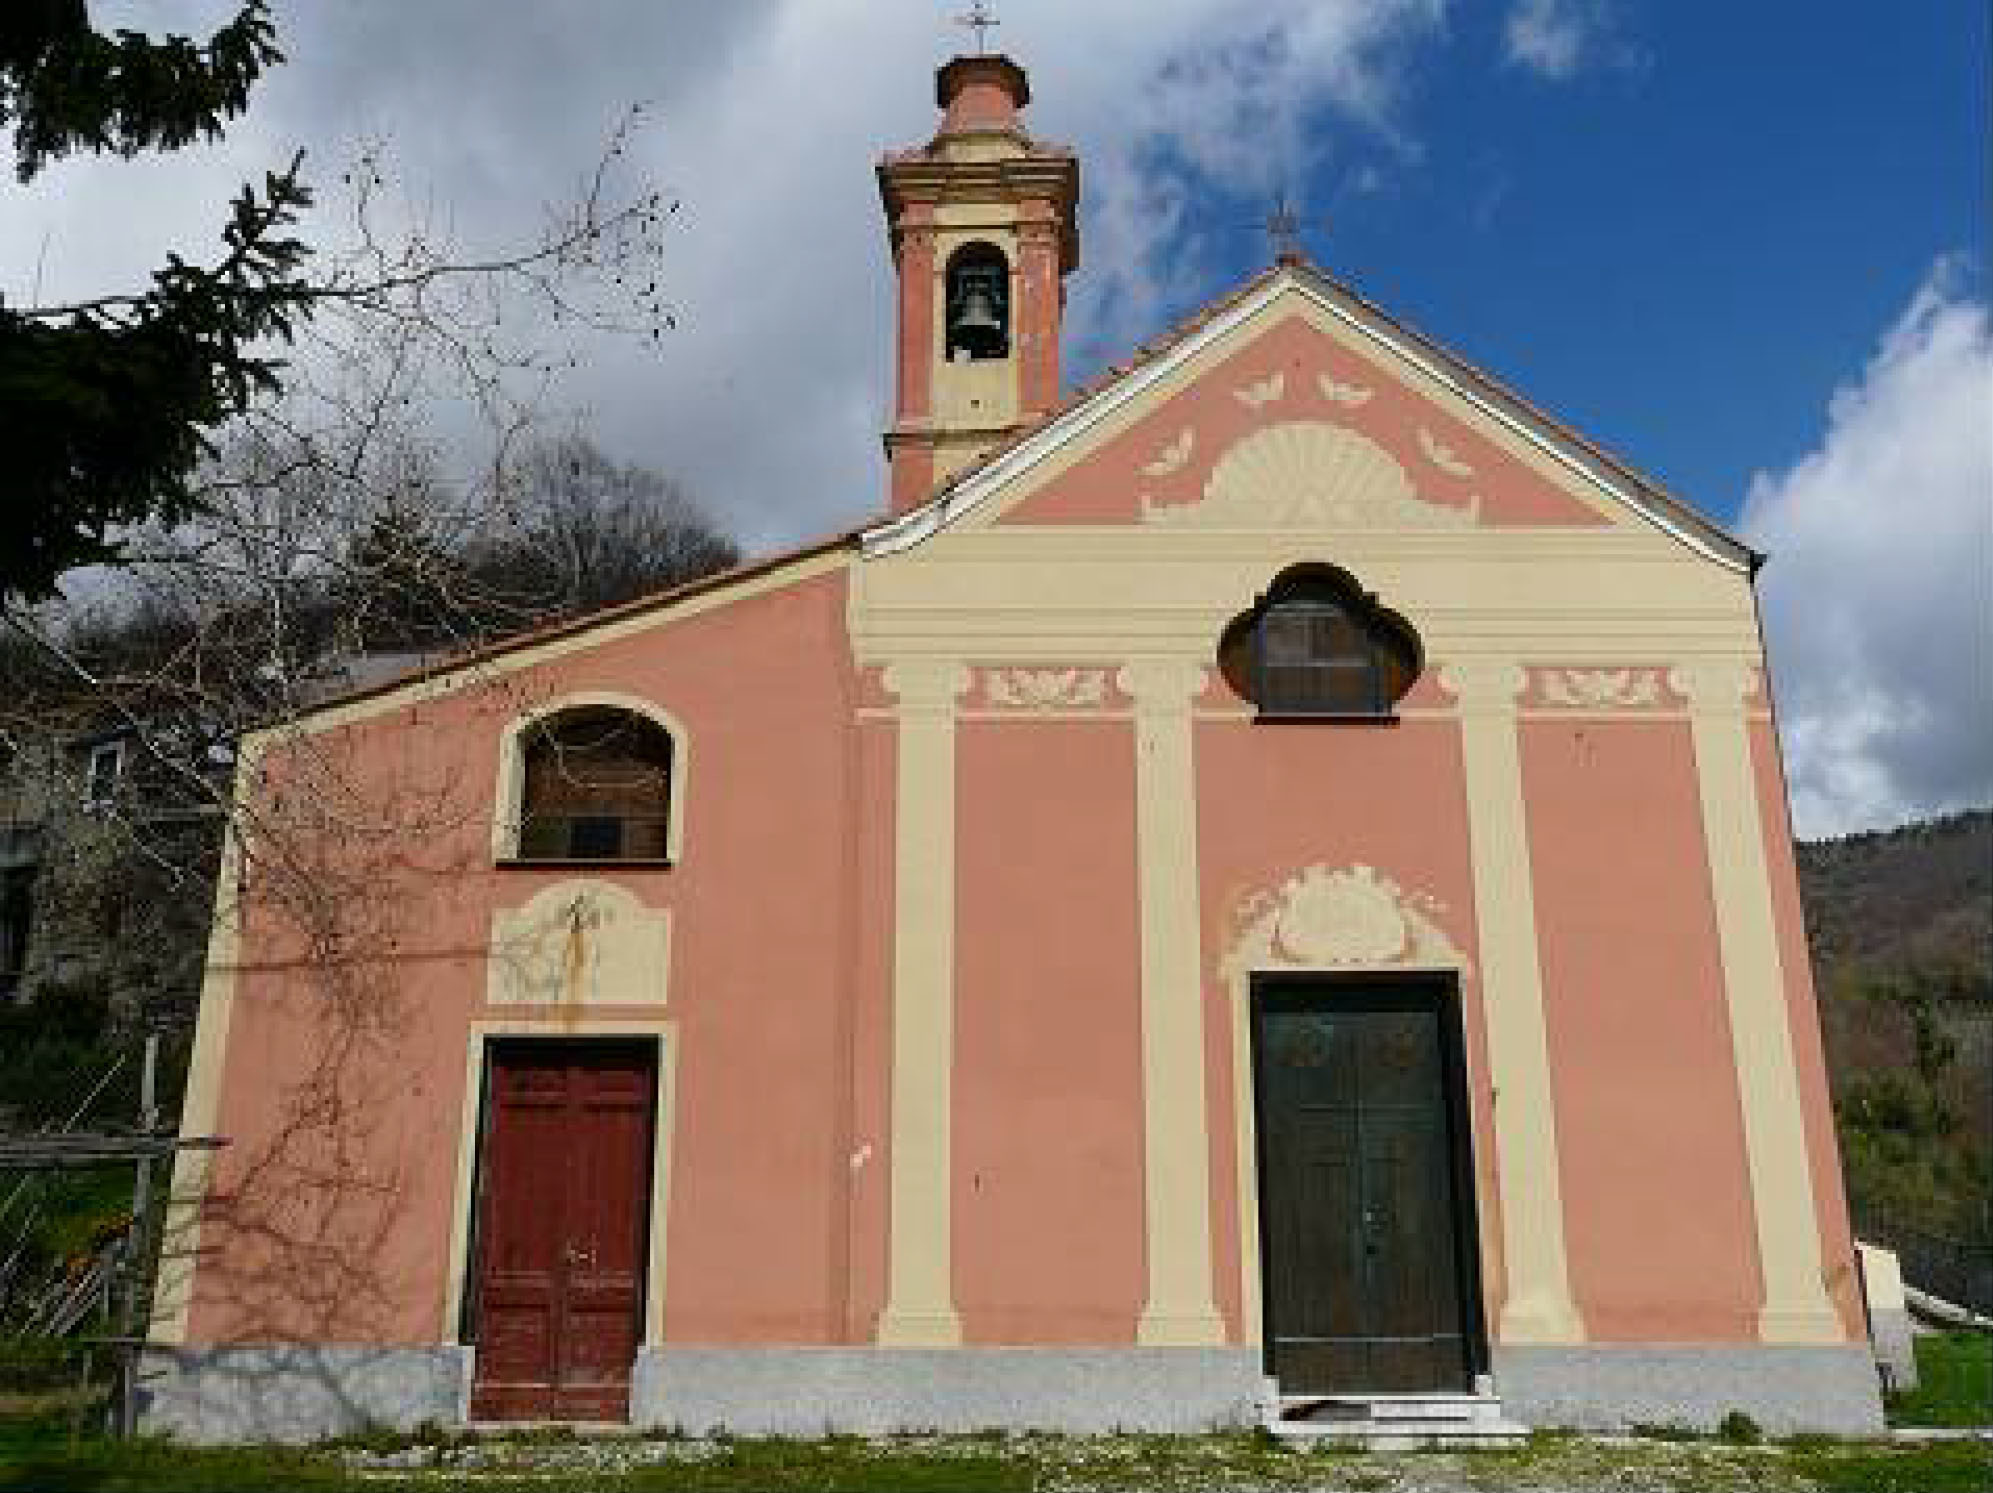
(265,524)
(107,403)
(582,531)
(288,589)
(110,405)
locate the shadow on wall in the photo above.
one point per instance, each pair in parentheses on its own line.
(345,874)
(299,1393)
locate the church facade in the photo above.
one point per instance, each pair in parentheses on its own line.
(1264,884)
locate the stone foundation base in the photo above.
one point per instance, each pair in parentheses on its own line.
(807,1391)
(292,1393)
(287,1392)
(1785,1390)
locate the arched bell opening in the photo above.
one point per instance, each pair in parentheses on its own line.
(978,304)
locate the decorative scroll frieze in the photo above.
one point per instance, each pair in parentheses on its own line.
(1255,396)
(1172,457)
(1045,689)
(1352,917)
(1349,395)
(1308,474)
(1442,455)
(1602,689)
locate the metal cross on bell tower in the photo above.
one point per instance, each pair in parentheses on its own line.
(979,18)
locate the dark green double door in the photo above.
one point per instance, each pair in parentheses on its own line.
(1365,1232)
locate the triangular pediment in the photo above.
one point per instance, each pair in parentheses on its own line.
(1296,408)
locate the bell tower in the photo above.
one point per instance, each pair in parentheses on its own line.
(981,220)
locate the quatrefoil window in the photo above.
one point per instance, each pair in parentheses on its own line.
(1317,646)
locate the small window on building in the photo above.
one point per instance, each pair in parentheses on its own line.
(1317,646)
(17,918)
(597,787)
(978,304)
(100,785)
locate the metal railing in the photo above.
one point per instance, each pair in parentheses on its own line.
(1950,1269)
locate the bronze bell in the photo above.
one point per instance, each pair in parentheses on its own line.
(976,326)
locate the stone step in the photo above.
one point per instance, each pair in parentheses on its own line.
(1392,1436)
(1463,1407)
(1396,1422)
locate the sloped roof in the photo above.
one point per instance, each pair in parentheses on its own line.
(436,666)
(968,487)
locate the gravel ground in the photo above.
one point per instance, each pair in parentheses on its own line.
(1070,1464)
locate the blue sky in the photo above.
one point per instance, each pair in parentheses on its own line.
(1682,245)
(1743,245)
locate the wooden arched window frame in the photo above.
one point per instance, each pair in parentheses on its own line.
(591,780)
(1317,646)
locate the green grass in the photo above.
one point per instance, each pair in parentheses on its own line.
(40,1453)
(1954,1382)
(1936,1467)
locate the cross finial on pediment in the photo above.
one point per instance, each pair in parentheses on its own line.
(1283,229)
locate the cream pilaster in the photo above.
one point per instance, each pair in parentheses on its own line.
(200,1109)
(1796,1309)
(1176,1124)
(920,1305)
(1538,1306)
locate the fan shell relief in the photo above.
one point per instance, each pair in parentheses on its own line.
(1309,474)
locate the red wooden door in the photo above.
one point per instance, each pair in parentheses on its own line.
(562,1229)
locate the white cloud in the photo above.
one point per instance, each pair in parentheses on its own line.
(1550,37)
(766,118)
(1876,597)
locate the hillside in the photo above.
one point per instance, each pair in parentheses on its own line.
(1901,927)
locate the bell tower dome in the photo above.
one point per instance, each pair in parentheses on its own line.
(981,221)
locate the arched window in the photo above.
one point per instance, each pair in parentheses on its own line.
(1316,645)
(978,304)
(596,785)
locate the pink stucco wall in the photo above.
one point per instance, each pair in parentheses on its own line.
(1659,1229)
(343,1092)
(1097,489)
(1048,1084)
(1274,799)
(869,1165)
(343,1075)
